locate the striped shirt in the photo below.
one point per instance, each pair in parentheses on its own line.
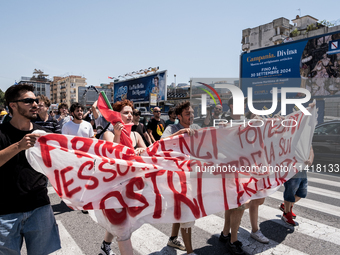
(50,124)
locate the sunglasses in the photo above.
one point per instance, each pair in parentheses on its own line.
(156,111)
(28,100)
(136,114)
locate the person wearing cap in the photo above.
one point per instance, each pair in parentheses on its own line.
(3,113)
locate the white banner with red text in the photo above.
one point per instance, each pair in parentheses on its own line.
(177,179)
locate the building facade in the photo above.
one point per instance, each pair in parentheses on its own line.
(65,89)
(39,81)
(280,31)
(302,54)
(87,96)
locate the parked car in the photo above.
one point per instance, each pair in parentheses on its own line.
(326,142)
(142,109)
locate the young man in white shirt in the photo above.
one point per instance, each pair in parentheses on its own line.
(77,127)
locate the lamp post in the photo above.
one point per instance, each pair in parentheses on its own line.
(175,86)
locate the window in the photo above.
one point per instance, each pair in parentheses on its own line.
(326,129)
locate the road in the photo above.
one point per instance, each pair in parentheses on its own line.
(318,231)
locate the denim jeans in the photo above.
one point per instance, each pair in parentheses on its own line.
(38,227)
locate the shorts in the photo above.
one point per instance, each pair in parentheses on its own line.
(38,227)
(189,224)
(296,186)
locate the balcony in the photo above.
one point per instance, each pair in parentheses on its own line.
(277,39)
(246,47)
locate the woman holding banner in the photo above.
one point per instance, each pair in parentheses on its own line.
(125,108)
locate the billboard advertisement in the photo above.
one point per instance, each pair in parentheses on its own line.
(139,89)
(312,63)
(320,106)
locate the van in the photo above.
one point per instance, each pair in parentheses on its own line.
(141,109)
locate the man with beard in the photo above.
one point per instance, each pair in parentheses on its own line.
(25,210)
(218,114)
(78,127)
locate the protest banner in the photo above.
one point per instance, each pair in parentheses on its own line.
(177,179)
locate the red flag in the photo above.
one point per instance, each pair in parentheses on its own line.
(114,117)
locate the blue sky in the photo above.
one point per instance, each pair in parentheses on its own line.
(97,39)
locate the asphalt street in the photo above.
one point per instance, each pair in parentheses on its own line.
(318,231)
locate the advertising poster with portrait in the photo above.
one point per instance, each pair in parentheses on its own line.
(139,89)
(313,64)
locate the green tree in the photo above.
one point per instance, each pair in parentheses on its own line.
(2,98)
(326,23)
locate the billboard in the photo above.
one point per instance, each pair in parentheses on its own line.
(312,63)
(139,89)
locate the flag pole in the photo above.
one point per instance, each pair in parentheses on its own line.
(106,100)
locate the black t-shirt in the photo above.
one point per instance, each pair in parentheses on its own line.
(22,189)
(157,127)
(140,128)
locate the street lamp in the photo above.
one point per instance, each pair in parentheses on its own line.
(175,86)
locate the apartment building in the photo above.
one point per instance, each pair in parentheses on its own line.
(281,31)
(65,89)
(39,81)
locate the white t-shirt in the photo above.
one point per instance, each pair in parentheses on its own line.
(84,129)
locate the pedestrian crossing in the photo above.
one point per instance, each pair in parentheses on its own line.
(318,226)
(315,205)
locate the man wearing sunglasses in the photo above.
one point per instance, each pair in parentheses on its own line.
(140,128)
(25,210)
(156,125)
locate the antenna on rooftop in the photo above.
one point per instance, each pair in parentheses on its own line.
(299,11)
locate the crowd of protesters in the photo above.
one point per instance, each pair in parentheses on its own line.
(24,190)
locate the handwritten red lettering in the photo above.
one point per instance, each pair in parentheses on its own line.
(139,183)
(107,170)
(80,175)
(116,218)
(180,197)
(68,193)
(158,197)
(82,151)
(45,149)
